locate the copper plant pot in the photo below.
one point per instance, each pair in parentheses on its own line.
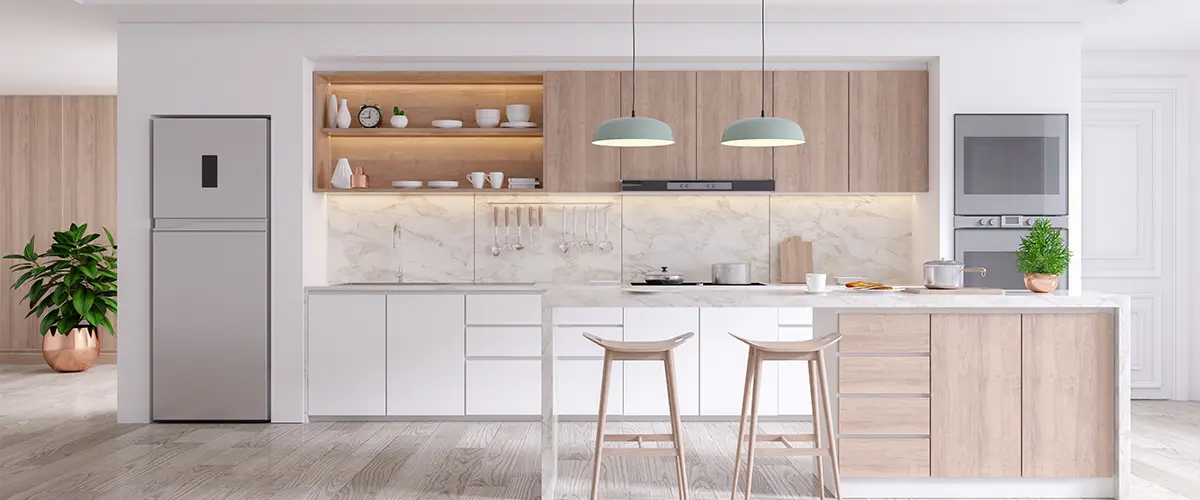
(76,351)
(1041,283)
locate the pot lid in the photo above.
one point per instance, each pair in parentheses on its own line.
(943,262)
(664,275)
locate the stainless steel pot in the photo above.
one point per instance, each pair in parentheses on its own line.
(731,273)
(946,274)
(664,278)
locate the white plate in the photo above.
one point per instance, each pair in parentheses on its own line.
(447,123)
(407,184)
(443,184)
(518,125)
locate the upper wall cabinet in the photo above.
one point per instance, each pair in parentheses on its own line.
(723,97)
(576,102)
(820,102)
(889,131)
(669,96)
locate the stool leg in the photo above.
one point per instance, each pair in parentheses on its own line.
(753,424)
(737,459)
(676,426)
(601,417)
(833,442)
(813,380)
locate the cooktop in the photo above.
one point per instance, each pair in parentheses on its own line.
(693,283)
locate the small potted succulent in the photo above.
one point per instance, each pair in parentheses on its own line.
(1043,256)
(398,118)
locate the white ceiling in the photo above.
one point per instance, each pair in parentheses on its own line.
(69,46)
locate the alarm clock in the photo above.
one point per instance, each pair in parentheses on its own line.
(369,115)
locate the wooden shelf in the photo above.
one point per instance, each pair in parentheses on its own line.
(423,191)
(432,132)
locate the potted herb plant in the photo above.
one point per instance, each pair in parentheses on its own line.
(72,288)
(1043,256)
(398,118)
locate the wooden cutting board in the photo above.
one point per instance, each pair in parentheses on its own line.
(961,291)
(795,259)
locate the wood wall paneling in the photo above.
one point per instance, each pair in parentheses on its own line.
(820,102)
(975,395)
(576,103)
(669,96)
(889,131)
(1067,408)
(723,97)
(58,163)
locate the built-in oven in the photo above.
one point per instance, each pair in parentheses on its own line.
(991,243)
(1010,164)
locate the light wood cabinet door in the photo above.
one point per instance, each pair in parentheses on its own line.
(884,457)
(889,131)
(975,395)
(1068,374)
(426,345)
(346,355)
(576,102)
(820,102)
(669,96)
(723,97)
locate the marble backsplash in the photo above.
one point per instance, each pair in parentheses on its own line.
(438,238)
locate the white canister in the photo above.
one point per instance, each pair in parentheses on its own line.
(341,174)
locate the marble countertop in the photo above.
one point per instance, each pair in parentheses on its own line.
(482,288)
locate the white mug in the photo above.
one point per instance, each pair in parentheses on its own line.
(496,179)
(815,281)
(517,112)
(476,179)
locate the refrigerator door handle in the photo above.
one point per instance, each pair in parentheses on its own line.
(210,225)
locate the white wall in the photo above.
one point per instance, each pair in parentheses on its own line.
(266,69)
(1171,65)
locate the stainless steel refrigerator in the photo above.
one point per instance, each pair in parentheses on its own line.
(210,294)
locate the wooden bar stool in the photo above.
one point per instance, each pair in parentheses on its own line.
(812,352)
(640,351)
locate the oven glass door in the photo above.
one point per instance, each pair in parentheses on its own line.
(994,250)
(1010,164)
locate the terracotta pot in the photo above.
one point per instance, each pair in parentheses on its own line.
(1041,283)
(76,351)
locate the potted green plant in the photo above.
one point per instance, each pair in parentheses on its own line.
(1043,256)
(398,118)
(72,288)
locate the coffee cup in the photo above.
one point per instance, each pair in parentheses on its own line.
(517,112)
(496,179)
(477,179)
(815,281)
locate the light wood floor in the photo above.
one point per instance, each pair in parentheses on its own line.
(59,440)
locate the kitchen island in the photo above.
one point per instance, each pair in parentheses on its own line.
(1019,395)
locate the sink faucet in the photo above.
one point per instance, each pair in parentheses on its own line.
(398,248)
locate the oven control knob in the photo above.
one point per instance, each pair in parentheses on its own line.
(1029,222)
(991,222)
(983,222)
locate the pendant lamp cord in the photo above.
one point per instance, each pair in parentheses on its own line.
(633,77)
(762,76)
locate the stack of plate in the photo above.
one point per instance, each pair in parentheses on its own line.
(522,183)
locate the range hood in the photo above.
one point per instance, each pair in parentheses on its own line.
(745,185)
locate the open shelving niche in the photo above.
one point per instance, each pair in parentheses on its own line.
(420,152)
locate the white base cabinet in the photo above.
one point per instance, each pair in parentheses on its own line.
(577,386)
(646,381)
(425,355)
(504,387)
(346,355)
(723,359)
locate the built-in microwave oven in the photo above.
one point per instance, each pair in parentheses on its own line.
(1010,164)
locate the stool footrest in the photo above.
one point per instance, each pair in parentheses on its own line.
(630,438)
(792,452)
(641,452)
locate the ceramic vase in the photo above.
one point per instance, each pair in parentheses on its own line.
(1041,283)
(341,174)
(331,112)
(399,121)
(343,116)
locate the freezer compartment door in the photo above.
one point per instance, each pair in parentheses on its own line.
(211,167)
(209,337)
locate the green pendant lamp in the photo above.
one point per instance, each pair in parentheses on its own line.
(634,131)
(763,131)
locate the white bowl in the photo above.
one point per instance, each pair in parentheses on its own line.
(447,123)
(443,184)
(487,122)
(517,112)
(407,184)
(487,113)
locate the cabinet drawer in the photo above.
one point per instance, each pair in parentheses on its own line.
(880,375)
(504,341)
(569,341)
(609,316)
(795,316)
(504,387)
(884,457)
(577,386)
(884,332)
(504,310)
(883,416)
